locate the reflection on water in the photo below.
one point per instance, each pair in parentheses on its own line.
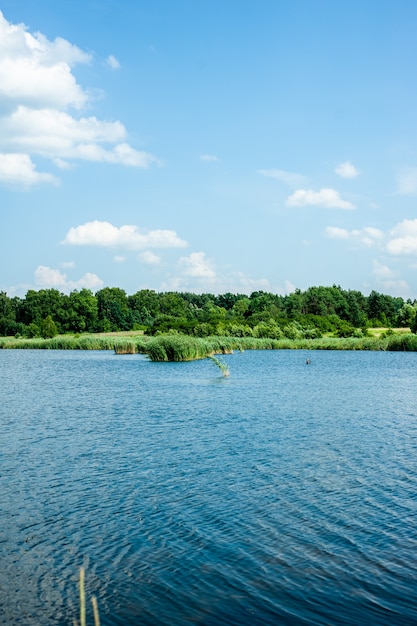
(284,494)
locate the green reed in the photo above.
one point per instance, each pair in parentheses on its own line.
(220,364)
(83,621)
(187,348)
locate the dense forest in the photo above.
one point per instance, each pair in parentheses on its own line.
(302,314)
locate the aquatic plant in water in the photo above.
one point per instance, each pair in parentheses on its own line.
(82,604)
(221,365)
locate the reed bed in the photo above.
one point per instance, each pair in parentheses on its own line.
(177,348)
(71,342)
(187,348)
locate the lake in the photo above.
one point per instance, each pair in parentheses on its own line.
(284,494)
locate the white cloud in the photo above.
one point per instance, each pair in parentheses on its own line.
(382,271)
(400,241)
(37,89)
(404,239)
(327,198)
(57,135)
(289,178)
(396,287)
(197,266)
(334,232)
(235,282)
(407,181)
(63,165)
(89,281)
(374,233)
(367,236)
(347,170)
(209,158)
(149,258)
(67,264)
(289,287)
(387,278)
(16,168)
(112,62)
(105,235)
(119,258)
(48,278)
(37,71)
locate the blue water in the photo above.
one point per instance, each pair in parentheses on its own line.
(284,494)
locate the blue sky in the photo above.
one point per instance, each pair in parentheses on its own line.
(208,145)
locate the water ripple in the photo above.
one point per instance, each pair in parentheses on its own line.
(282,495)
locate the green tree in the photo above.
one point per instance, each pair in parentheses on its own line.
(113,310)
(39,304)
(406,315)
(48,328)
(144,306)
(82,311)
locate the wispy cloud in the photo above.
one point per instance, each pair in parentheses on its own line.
(209,158)
(407,181)
(389,280)
(104,234)
(113,63)
(347,170)
(289,178)
(327,198)
(382,271)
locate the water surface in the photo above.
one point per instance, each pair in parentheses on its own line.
(285,494)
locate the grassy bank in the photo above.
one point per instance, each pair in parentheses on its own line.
(186,348)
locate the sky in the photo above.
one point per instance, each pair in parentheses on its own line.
(209,146)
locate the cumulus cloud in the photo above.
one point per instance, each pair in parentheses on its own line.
(59,136)
(327,198)
(49,278)
(403,240)
(16,168)
(334,232)
(399,241)
(367,236)
(289,178)
(347,170)
(197,266)
(38,90)
(37,71)
(106,235)
(149,258)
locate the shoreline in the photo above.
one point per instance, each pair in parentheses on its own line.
(177,347)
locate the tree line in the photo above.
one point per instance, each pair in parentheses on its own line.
(311,313)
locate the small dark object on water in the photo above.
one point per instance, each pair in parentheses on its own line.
(308,361)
